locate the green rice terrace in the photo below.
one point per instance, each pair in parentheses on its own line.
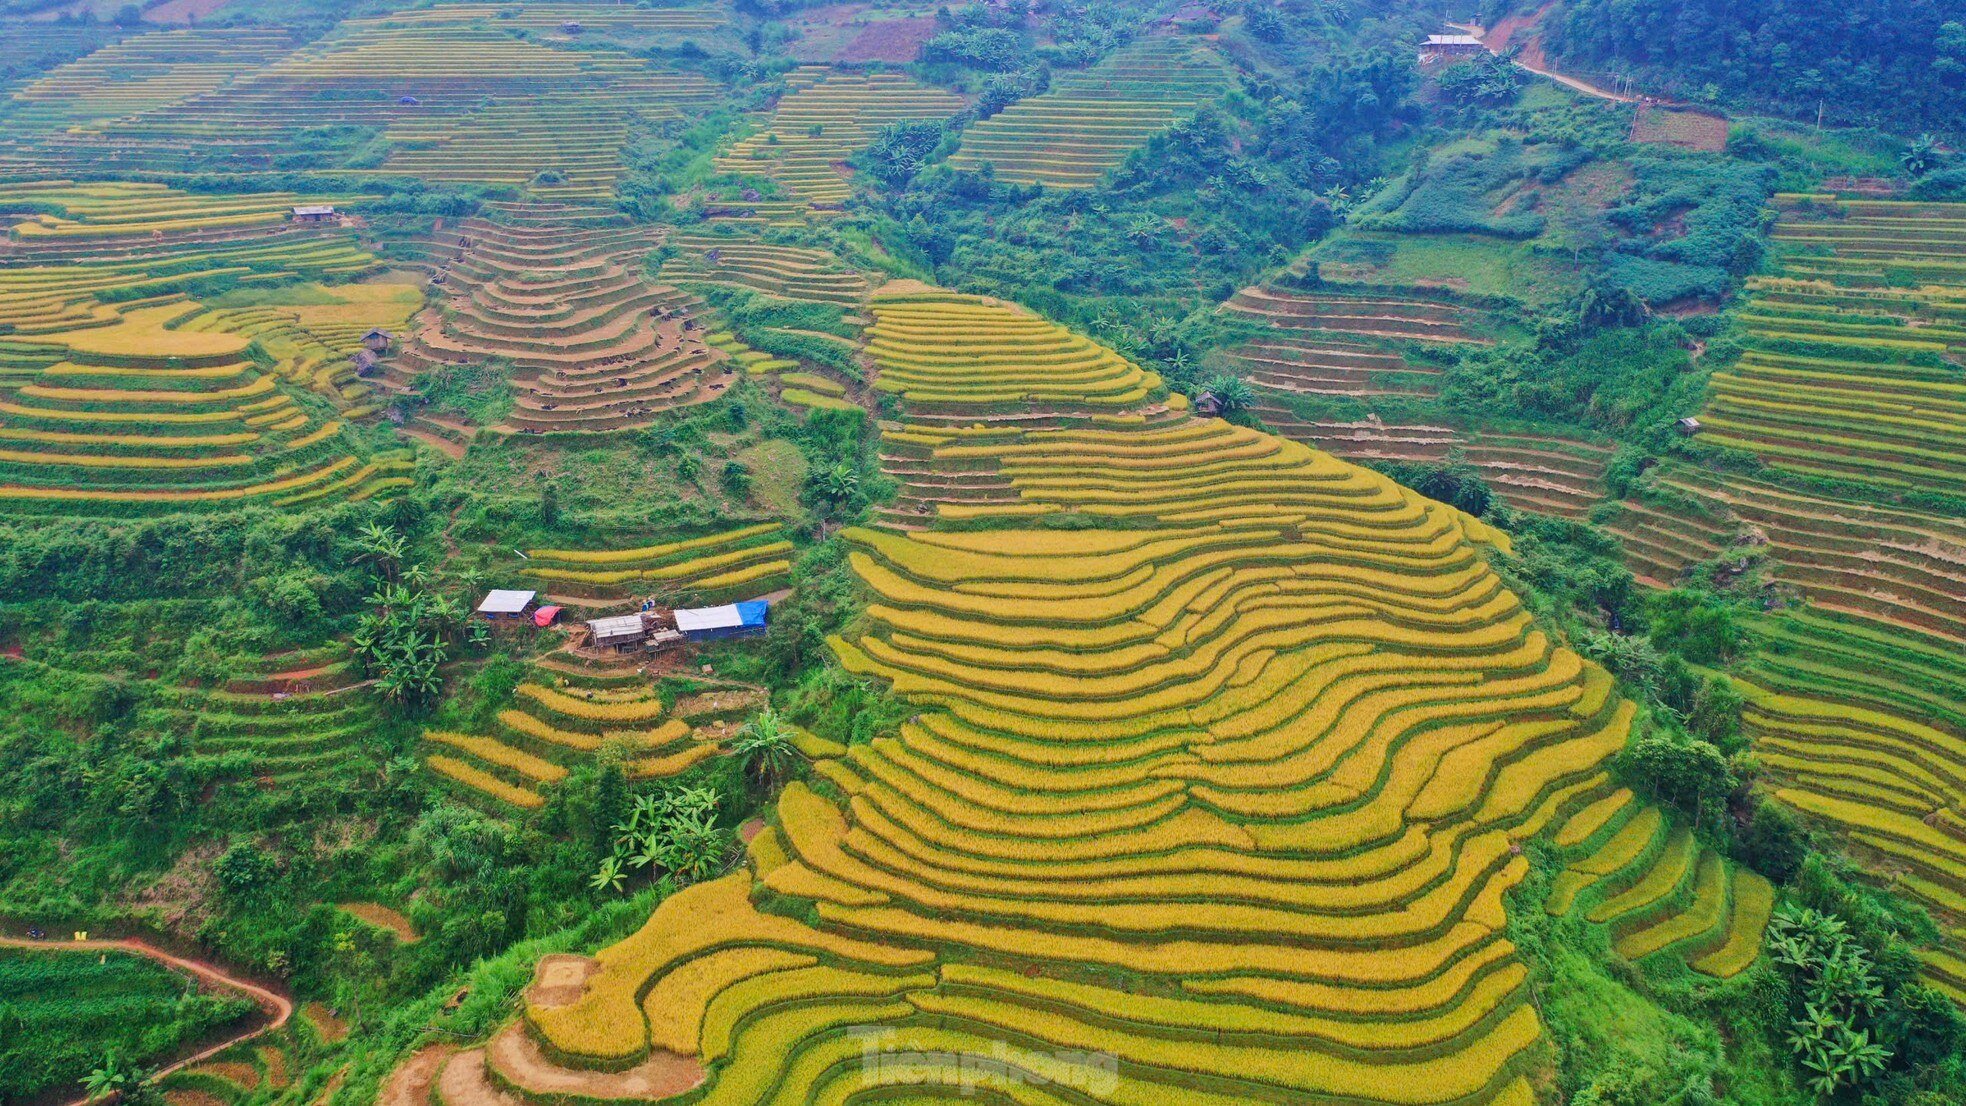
(726,553)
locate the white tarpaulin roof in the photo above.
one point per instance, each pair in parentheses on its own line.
(709,618)
(506,602)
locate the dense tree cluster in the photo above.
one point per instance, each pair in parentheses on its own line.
(1900,62)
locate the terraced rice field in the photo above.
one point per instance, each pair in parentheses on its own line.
(1313,366)
(1906,569)
(1861,728)
(455,91)
(315,329)
(144,408)
(1855,341)
(117,392)
(297,718)
(564,717)
(1552,476)
(714,568)
(1358,317)
(1661,544)
(1265,752)
(826,118)
(1091,121)
(1329,343)
(788,272)
(1851,379)
(559,293)
(145,72)
(954,356)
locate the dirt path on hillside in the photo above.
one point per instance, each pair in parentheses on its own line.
(1524,32)
(278,1005)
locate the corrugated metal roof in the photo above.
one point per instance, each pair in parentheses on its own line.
(625,625)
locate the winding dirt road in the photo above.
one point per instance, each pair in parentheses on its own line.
(279,1006)
(1531,59)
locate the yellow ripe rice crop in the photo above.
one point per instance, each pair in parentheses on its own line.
(1754,901)
(484,781)
(675,1005)
(652,552)
(596,709)
(1268,748)
(503,755)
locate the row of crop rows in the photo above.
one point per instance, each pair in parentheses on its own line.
(560,295)
(458,96)
(826,118)
(1356,346)
(1554,476)
(1263,745)
(1853,704)
(142,73)
(1313,366)
(1852,372)
(713,568)
(788,272)
(958,355)
(295,717)
(114,394)
(570,720)
(1861,728)
(1090,121)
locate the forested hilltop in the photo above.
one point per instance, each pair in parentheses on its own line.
(1326,552)
(1891,63)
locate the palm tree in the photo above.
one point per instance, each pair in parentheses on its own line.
(1922,156)
(764,746)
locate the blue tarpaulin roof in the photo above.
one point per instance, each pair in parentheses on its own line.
(729,618)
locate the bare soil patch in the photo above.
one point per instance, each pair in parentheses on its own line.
(1694,130)
(232,1071)
(1516,28)
(326,1026)
(560,978)
(709,704)
(182,11)
(383,917)
(891,40)
(519,1059)
(410,1083)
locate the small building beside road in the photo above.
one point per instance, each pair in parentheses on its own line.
(507,606)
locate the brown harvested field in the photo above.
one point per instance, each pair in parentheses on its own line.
(182,11)
(326,1026)
(895,40)
(383,917)
(857,33)
(1695,130)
